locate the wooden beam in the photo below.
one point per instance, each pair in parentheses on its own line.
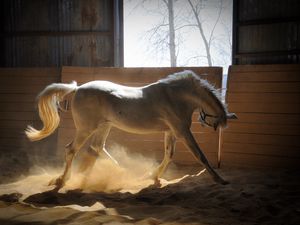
(267,53)
(54,33)
(293,19)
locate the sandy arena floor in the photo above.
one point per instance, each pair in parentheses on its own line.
(123,195)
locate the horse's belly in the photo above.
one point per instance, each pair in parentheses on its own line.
(144,127)
(136,116)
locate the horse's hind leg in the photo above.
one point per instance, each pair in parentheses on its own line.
(170,141)
(97,146)
(191,143)
(71,150)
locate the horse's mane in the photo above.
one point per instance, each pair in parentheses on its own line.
(188,77)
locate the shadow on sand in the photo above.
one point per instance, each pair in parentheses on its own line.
(175,202)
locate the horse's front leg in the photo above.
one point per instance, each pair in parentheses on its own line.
(170,142)
(192,145)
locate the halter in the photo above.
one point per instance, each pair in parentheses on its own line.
(203,116)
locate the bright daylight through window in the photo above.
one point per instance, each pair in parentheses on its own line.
(177,33)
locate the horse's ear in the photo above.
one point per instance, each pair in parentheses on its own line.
(231,116)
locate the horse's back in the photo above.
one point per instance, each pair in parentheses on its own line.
(130,108)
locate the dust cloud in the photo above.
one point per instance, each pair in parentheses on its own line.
(132,173)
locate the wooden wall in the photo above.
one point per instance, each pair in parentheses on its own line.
(266,99)
(266,32)
(151,145)
(18,90)
(55,33)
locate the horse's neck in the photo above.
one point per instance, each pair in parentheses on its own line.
(183,95)
(208,101)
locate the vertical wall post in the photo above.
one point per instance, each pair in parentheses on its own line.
(118,34)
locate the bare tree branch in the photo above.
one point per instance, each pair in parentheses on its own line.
(186,25)
(206,43)
(216,22)
(166,38)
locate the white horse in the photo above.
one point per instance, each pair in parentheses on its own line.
(164,106)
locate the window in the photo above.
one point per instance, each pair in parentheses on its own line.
(198,34)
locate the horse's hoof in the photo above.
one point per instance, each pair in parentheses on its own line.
(220,180)
(157,183)
(224,182)
(57,182)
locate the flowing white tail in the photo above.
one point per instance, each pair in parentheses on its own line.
(48,109)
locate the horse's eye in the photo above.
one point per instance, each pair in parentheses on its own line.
(202,116)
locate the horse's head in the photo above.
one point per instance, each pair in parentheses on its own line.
(215,120)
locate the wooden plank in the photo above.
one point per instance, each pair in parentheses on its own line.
(76,70)
(16,98)
(10,141)
(151,146)
(138,145)
(21,88)
(276,87)
(79,78)
(261,149)
(293,98)
(130,140)
(21,80)
(196,128)
(67,134)
(19,124)
(67,122)
(267,118)
(32,71)
(161,71)
(117,134)
(188,158)
(20,107)
(262,76)
(179,157)
(271,139)
(18,90)
(185,157)
(264,107)
(42,149)
(11,132)
(68,116)
(252,128)
(139,71)
(264,68)
(134,75)
(138,82)
(267,101)
(16,149)
(251,160)
(19,116)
